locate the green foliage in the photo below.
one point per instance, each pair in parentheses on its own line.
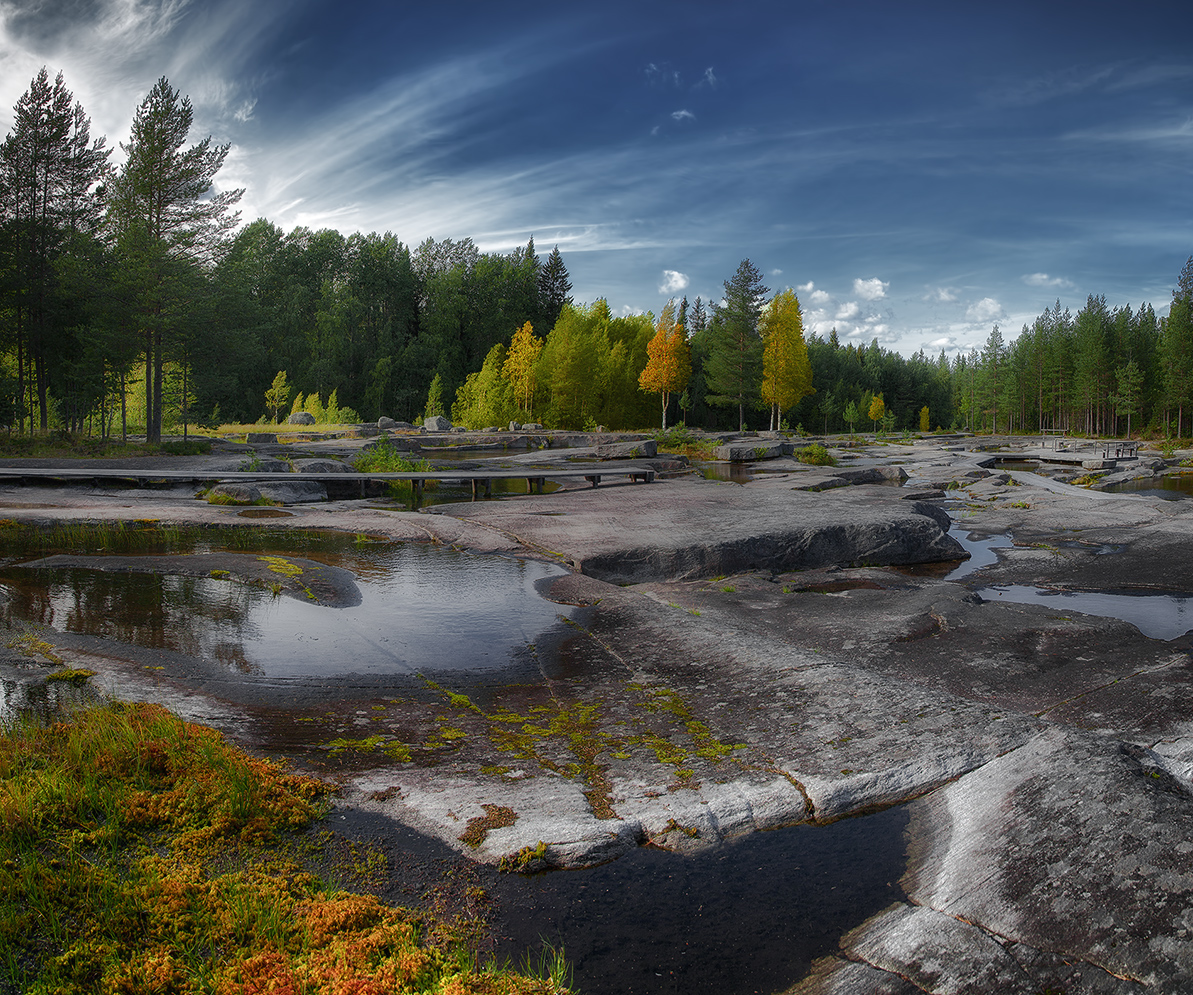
(278,395)
(816,455)
(434,405)
(486,397)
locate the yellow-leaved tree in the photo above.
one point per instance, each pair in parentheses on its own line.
(877,410)
(669,365)
(786,369)
(924,423)
(519,366)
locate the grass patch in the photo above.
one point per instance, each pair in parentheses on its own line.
(145,854)
(64,445)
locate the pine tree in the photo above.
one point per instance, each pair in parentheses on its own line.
(165,219)
(49,169)
(734,367)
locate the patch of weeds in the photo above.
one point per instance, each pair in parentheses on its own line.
(1019,504)
(526,860)
(729,589)
(30,645)
(495,817)
(760,452)
(71,675)
(495,770)
(220,574)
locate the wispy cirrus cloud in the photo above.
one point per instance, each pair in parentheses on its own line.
(683,115)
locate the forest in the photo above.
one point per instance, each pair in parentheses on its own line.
(133,299)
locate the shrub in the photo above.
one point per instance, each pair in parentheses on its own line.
(816,455)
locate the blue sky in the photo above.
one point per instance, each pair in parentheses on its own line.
(917,170)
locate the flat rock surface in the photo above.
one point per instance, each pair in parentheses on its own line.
(841,663)
(631,533)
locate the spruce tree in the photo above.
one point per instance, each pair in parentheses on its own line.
(554,289)
(733,370)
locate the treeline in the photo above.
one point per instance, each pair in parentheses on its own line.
(130,296)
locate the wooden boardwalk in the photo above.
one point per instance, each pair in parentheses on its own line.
(481,479)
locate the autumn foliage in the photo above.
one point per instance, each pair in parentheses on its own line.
(669,363)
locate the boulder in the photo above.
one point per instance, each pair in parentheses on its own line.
(321,466)
(293,491)
(643,449)
(515,426)
(437,423)
(385,423)
(532,427)
(738,452)
(403,426)
(267,465)
(261,437)
(491,428)
(234,492)
(301,418)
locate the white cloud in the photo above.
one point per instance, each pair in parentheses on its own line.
(987,309)
(942,343)
(941,295)
(673,282)
(776,272)
(710,77)
(850,309)
(626,311)
(680,115)
(806,288)
(1044,280)
(871,290)
(819,297)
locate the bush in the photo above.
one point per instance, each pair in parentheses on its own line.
(816,455)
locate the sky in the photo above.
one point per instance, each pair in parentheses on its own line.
(916,171)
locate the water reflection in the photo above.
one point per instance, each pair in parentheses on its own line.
(1160,616)
(422,608)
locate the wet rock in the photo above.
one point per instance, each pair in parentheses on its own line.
(637,449)
(836,977)
(300,418)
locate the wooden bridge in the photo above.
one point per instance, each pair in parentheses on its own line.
(480,479)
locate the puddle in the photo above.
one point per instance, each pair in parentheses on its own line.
(1031,465)
(749,916)
(1170,488)
(1160,616)
(422,609)
(981,552)
(265,513)
(737,473)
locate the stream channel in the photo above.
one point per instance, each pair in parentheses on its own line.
(282,674)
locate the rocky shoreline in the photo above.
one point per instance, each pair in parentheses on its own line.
(753,656)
